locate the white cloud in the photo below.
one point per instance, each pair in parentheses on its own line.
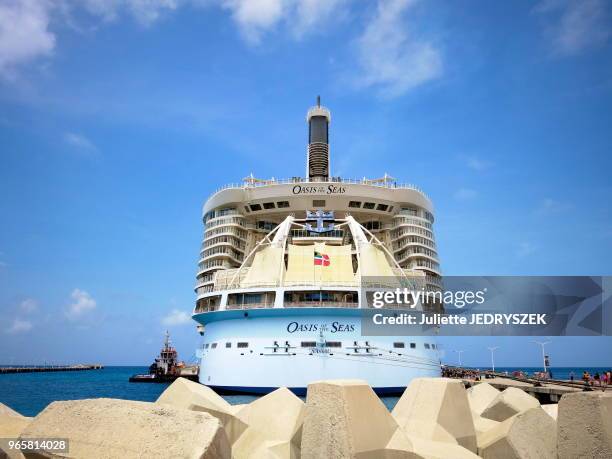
(465,194)
(477,164)
(79,141)
(549,206)
(525,249)
(145,12)
(392,59)
(575,24)
(176,317)
(313,14)
(82,303)
(19,326)
(28,305)
(24,33)
(254,17)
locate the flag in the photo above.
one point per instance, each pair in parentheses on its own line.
(321,259)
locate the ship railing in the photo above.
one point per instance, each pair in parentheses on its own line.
(320,304)
(206,308)
(297,180)
(264,305)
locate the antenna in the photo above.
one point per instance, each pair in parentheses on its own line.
(318,101)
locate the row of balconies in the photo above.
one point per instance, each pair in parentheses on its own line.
(411,240)
(411,220)
(232,241)
(225,230)
(221,250)
(408,230)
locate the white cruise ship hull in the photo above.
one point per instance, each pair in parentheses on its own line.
(259,350)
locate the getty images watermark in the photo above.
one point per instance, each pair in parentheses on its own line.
(412,298)
(537,306)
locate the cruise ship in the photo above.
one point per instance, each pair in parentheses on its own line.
(284,274)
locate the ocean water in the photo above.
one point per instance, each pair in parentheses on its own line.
(30,393)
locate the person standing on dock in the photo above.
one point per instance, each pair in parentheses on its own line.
(604,381)
(571,375)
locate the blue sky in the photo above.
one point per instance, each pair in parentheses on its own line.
(118,118)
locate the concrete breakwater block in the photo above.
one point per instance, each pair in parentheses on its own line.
(551,409)
(11,425)
(480,396)
(529,434)
(190,395)
(7,411)
(437,409)
(585,425)
(345,418)
(274,427)
(508,403)
(482,425)
(128,429)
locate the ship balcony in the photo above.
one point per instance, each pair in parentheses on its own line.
(417,231)
(412,256)
(333,237)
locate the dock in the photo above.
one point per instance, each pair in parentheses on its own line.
(47,369)
(545,390)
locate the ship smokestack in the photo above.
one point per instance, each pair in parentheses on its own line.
(317,164)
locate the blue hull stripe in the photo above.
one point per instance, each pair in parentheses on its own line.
(228,390)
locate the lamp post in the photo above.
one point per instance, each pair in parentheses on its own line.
(459,352)
(542,344)
(492,349)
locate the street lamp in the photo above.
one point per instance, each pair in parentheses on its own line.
(492,349)
(542,344)
(459,352)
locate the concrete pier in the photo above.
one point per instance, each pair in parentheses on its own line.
(546,391)
(46,369)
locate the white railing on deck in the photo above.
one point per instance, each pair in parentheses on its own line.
(298,180)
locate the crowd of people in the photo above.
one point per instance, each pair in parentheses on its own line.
(596,380)
(461,373)
(601,380)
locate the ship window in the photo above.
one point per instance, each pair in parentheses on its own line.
(282,204)
(426,346)
(372,225)
(412,345)
(206,346)
(242,344)
(255,207)
(257,299)
(213,346)
(247,208)
(369,205)
(228,344)
(318,203)
(354,203)
(399,345)
(433,346)
(269,205)
(382,207)
(333,344)
(390,208)
(309,344)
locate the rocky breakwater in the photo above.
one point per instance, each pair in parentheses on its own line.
(435,418)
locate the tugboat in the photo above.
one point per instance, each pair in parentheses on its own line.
(166,367)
